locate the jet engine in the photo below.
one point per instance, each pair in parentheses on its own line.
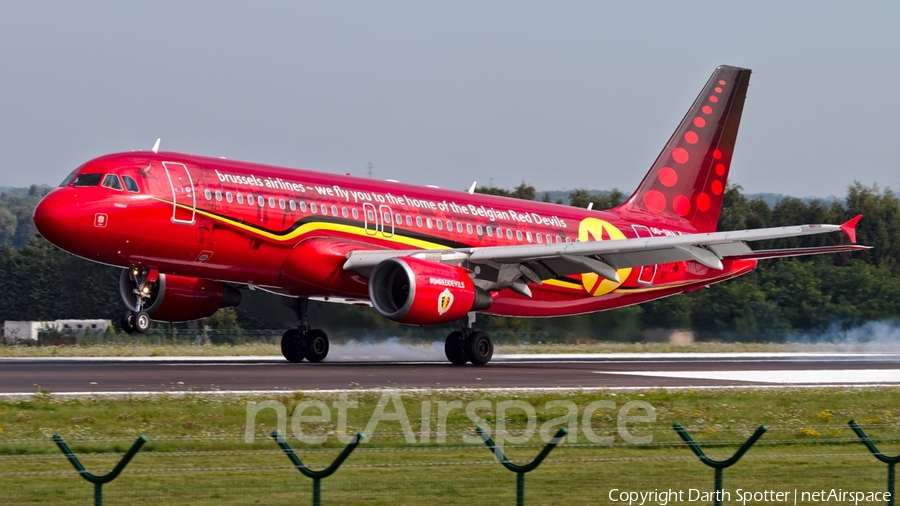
(421,292)
(178,298)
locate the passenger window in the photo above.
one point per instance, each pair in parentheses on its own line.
(440,224)
(355,213)
(324,210)
(292,205)
(229,197)
(344,212)
(419,221)
(240,198)
(499,233)
(250,200)
(459,227)
(398,219)
(408,220)
(281,204)
(518,235)
(370,215)
(469,228)
(261,201)
(386,218)
(130,184)
(480,230)
(112,181)
(312,208)
(509,233)
(540,238)
(528,236)
(271,202)
(334,210)
(568,240)
(87,179)
(218,196)
(490,231)
(428,222)
(449,226)
(207,194)
(302,206)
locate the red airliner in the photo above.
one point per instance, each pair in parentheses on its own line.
(191,232)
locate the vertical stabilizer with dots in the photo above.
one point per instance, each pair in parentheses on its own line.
(684,188)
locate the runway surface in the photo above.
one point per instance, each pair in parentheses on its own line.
(616,371)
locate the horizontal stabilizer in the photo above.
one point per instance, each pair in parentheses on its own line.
(796,252)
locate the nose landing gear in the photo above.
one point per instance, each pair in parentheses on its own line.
(144,281)
(303,342)
(469,345)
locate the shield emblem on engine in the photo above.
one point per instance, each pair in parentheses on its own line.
(445,300)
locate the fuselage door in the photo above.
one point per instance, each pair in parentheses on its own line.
(184,202)
(370,217)
(387,220)
(648,272)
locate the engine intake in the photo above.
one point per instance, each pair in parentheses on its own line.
(421,292)
(180,298)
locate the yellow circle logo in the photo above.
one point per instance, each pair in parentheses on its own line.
(592,229)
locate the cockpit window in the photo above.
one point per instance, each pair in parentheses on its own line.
(112,181)
(130,184)
(87,180)
(67,180)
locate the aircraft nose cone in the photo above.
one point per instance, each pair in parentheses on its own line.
(49,217)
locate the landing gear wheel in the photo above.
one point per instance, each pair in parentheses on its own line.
(453,348)
(141,322)
(314,345)
(290,346)
(128,322)
(479,348)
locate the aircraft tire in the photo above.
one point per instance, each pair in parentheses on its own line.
(128,322)
(314,345)
(453,348)
(479,348)
(290,346)
(141,322)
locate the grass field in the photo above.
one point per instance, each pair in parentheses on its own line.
(197,452)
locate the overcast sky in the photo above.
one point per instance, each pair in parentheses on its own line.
(559,94)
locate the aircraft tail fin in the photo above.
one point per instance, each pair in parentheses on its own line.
(685,185)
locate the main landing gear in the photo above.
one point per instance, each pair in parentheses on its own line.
(138,321)
(469,345)
(303,342)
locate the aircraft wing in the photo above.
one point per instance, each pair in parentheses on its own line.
(534,263)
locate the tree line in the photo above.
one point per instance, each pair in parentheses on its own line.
(780,298)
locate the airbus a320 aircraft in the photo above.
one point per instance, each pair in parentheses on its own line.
(191,232)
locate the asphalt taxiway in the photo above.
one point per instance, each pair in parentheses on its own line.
(79,376)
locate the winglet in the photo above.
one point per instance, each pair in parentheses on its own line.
(156,146)
(849,228)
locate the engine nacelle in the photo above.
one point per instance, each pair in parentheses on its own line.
(420,292)
(180,298)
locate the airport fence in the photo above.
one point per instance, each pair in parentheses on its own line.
(771,467)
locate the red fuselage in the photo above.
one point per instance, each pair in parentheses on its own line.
(288,231)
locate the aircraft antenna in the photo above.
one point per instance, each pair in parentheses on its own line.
(156,146)
(370,170)
(472,188)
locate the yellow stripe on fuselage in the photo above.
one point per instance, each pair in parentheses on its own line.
(415,243)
